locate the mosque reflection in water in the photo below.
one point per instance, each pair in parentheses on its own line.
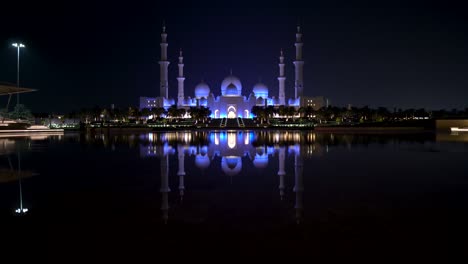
(230,149)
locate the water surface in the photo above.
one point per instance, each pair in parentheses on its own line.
(144,196)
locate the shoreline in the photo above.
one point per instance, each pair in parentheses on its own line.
(341,129)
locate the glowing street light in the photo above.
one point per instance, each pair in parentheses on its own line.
(18,46)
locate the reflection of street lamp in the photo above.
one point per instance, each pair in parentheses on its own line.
(18,46)
(21,209)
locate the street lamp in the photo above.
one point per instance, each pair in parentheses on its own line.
(18,46)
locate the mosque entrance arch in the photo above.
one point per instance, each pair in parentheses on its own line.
(231,112)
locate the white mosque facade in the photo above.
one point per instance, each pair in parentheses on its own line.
(232,102)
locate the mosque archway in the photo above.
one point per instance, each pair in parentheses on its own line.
(231,112)
(216,113)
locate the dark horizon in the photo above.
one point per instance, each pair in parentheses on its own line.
(86,54)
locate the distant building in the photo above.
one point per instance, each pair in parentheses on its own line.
(148,102)
(232,102)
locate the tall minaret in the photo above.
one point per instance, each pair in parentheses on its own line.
(298,183)
(163,65)
(281,172)
(165,186)
(281,80)
(180,80)
(298,65)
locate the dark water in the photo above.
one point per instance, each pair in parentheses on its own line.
(196,194)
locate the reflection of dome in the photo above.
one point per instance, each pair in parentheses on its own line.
(231,79)
(231,90)
(260,90)
(202,90)
(202,161)
(260,161)
(231,165)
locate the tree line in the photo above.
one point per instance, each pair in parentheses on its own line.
(352,114)
(98,114)
(263,114)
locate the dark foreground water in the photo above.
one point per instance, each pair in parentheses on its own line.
(198,194)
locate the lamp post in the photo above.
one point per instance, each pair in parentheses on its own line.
(18,46)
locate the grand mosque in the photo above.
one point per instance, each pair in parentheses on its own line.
(233,101)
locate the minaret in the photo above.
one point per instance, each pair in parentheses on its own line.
(298,184)
(180,80)
(281,80)
(281,172)
(298,65)
(163,65)
(181,172)
(165,187)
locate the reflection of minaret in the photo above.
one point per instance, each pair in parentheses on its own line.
(298,184)
(298,64)
(165,186)
(181,172)
(281,172)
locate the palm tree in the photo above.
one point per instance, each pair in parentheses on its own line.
(259,112)
(194,113)
(138,114)
(105,114)
(282,110)
(181,112)
(291,112)
(96,113)
(145,112)
(200,113)
(269,112)
(85,114)
(131,112)
(21,112)
(204,113)
(157,112)
(118,114)
(382,113)
(172,111)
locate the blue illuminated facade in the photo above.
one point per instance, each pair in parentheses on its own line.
(231,102)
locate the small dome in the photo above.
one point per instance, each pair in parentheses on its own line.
(260,90)
(231,79)
(202,90)
(231,90)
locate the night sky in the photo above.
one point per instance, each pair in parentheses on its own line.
(82,53)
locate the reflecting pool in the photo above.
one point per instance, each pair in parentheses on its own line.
(153,195)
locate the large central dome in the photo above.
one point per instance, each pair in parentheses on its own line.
(231,79)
